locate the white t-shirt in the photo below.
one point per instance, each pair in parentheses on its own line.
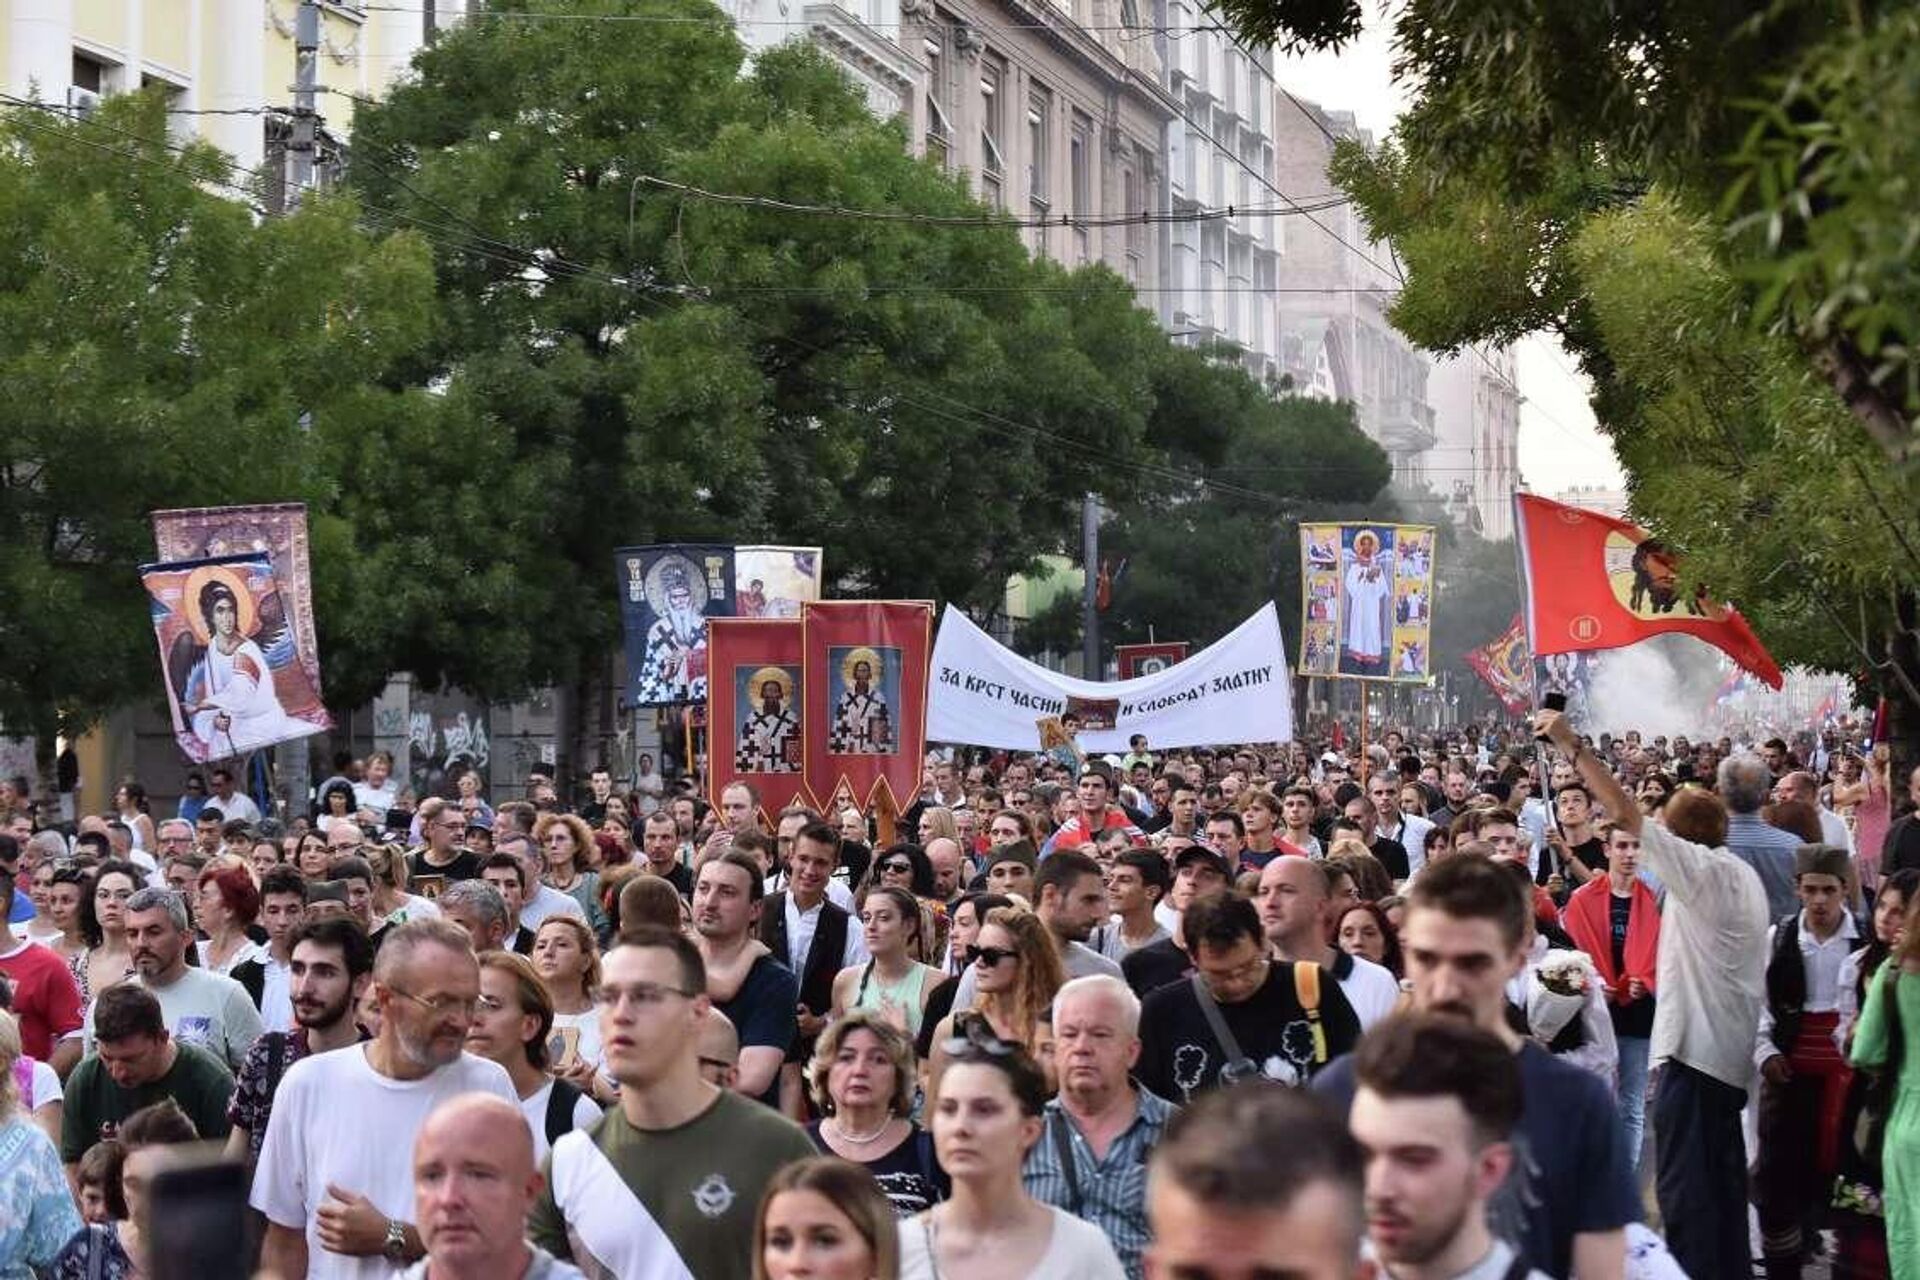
(1371,989)
(207,1010)
(585,1112)
(337,1120)
(276,993)
(1078,1251)
(586,1027)
(239,806)
(548,901)
(376,800)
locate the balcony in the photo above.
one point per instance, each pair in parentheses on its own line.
(1406,425)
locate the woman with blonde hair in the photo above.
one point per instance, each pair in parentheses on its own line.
(1017,970)
(824,1219)
(40,1217)
(862,1079)
(392,904)
(567,959)
(566,843)
(936,822)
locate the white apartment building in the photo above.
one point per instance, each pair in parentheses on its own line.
(1336,286)
(1221,273)
(1476,468)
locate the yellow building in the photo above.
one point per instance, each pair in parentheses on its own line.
(228,65)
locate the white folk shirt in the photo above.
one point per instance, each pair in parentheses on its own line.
(800,930)
(1713,956)
(1825,962)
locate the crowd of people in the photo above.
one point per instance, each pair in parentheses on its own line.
(1422,1009)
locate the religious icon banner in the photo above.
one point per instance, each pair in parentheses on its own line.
(755,704)
(1504,664)
(277,529)
(865,693)
(234,682)
(774,582)
(667,593)
(1136,660)
(1367,601)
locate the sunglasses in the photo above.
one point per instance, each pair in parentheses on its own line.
(992,955)
(897,868)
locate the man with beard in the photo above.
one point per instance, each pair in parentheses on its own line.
(861,718)
(756,990)
(208,1010)
(675,666)
(335,1196)
(1568,1197)
(332,962)
(770,735)
(1437,1103)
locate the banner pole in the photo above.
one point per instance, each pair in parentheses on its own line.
(1363,732)
(884,817)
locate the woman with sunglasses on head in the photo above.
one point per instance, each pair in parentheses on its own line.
(988,1110)
(862,1078)
(892,984)
(906,867)
(67,889)
(1017,970)
(823,1219)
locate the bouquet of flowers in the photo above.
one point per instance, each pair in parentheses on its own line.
(1557,991)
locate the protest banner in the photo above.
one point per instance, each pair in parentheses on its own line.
(1136,660)
(1233,691)
(864,687)
(1594,582)
(774,582)
(278,529)
(755,706)
(1504,663)
(667,593)
(1367,601)
(228,657)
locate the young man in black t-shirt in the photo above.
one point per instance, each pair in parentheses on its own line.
(759,997)
(1276,1033)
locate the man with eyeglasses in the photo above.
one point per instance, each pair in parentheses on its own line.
(675,1172)
(233,804)
(442,826)
(335,1190)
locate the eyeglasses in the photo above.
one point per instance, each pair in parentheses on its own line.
(992,955)
(645,994)
(440,1006)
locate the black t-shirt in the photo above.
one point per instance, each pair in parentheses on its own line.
(1636,1017)
(909,1176)
(1901,851)
(1570,1169)
(465,866)
(1149,968)
(1592,853)
(1180,1057)
(939,1005)
(762,1012)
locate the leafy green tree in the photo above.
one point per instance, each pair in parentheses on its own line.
(1709,206)
(160,347)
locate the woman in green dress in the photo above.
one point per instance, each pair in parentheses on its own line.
(1888,1037)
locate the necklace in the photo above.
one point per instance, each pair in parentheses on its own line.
(862,1140)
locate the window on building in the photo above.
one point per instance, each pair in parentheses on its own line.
(1080,184)
(1135,205)
(993,160)
(1039,163)
(939,130)
(89,73)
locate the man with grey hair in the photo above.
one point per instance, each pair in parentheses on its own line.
(338,1200)
(1092,1159)
(1800,785)
(174,837)
(1409,830)
(478,908)
(205,1009)
(1744,787)
(544,900)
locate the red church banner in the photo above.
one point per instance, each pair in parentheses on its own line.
(1594,582)
(1504,663)
(756,709)
(1136,660)
(864,688)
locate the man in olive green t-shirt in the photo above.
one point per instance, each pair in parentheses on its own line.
(135,1063)
(676,1171)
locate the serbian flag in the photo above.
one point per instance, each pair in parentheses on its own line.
(1506,666)
(865,692)
(1594,582)
(756,710)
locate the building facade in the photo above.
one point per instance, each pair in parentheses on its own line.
(1335,288)
(1221,272)
(225,65)
(1476,406)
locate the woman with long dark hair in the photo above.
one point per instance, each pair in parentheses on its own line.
(892,984)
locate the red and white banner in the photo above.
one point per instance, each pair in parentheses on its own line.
(1594,582)
(1136,660)
(756,709)
(865,693)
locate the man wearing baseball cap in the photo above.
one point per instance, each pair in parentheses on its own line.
(1197,870)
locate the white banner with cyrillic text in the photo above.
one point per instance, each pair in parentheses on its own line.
(1238,689)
